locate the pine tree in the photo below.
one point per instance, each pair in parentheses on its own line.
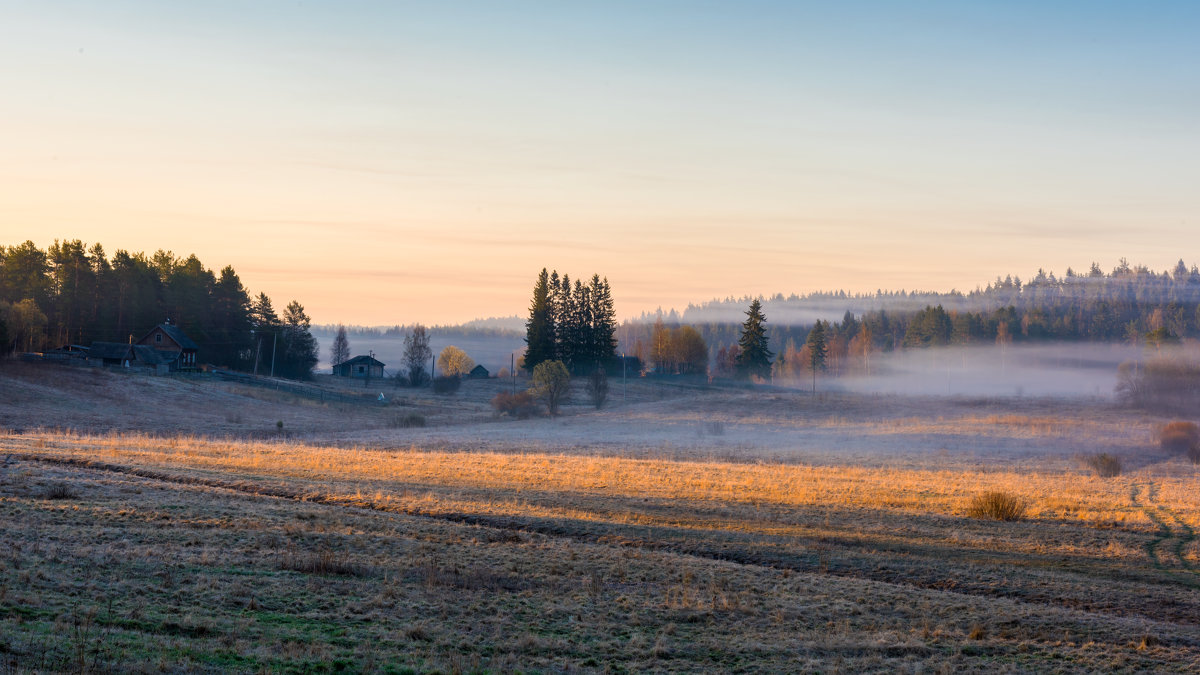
(298,351)
(540,328)
(339,351)
(754,358)
(817,351)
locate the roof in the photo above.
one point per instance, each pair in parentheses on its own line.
(479,370)
(108,350)
(176,334)
(362,358)
(151,356)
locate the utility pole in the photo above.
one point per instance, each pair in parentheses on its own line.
(512,371)
(432,369)
(624,397)
(257,350)
(274,341)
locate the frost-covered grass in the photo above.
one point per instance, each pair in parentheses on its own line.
(809,534)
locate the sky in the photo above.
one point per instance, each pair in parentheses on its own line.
(396,162)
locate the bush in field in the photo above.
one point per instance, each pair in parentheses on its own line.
(520,405)
(408,421)
(1104,464)
(446,384)
(324,562)
(60,491)
(1160,384)
(1181,437)
(997,505)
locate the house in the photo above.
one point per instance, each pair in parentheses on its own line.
(479,373)
(131,356)
(169,339)
(359,366)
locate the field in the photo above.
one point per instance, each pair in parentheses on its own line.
(152,524)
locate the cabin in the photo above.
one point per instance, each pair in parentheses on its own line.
(359,366)
(169,339)
(479,373)
(124,355)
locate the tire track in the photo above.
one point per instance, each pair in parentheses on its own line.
(701,550)
(1167,549)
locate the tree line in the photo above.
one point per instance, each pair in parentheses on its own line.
(1130,304)
(73,293)
(572,323)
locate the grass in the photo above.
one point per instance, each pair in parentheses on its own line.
(202,578)
(198,554)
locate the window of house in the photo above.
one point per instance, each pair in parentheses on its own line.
(158,337)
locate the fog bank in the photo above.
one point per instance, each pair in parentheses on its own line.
(1054,369)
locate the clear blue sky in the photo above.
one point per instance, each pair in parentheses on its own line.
(395,162)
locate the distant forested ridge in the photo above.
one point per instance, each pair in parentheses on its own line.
(72,293)
(471,329)
(1128,304)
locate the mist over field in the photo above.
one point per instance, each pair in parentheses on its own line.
(1054,369)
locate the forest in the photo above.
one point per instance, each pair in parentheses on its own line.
(72,293)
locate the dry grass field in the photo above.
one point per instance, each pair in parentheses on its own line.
(151,524)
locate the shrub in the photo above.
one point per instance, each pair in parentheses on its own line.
(1181,437)
(446,384)
(1104,464)
(997,505)
(408,421)
(60,491)
(323,562)
(520,405)
(1160,384)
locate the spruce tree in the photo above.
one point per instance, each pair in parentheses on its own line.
(817,350)
(604,321)
(540,328)
(755,356)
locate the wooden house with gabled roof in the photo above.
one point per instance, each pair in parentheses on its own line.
(359,366)
(168,338)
